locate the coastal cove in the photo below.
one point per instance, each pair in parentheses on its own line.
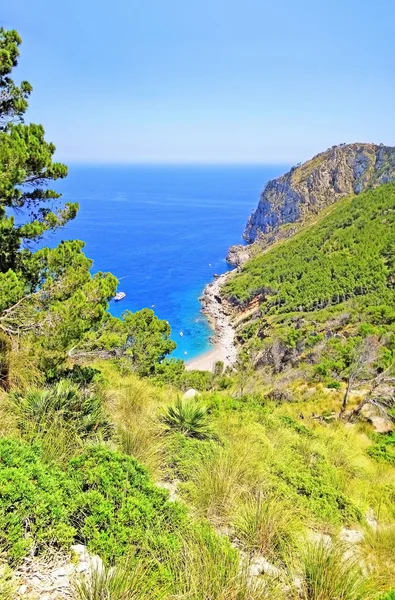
(163,231)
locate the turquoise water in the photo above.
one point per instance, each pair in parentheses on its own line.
(163,231)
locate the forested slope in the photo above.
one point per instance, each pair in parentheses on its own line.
(351,252)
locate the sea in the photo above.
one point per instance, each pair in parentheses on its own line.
(164,231)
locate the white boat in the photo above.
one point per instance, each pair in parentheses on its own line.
(181,334)
(119,296)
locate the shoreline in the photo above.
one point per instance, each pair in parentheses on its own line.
(224,336)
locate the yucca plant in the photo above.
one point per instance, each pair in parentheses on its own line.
(65,404)
(189,418)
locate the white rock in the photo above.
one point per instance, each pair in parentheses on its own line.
(82,567)
(62,582)
(371,520)
(60,572)
(96,563)
(317,537)
(351,536)
(259,566)
(171,487)
(22,590)
(298,583)
(191,393)
(80,550)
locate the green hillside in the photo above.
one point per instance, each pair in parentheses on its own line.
(351,252)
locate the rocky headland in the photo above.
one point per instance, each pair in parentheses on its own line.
(309,188)
(287,204)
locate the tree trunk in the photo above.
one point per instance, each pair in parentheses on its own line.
(345,399)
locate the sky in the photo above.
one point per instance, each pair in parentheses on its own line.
(228,81)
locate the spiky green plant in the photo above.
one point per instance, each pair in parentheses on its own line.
(189,418)
(64,403)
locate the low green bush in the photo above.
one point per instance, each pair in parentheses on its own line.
(384,448)
(104,499)
(36,502)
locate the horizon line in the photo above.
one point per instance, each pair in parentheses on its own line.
(173,163)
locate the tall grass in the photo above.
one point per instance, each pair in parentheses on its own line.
(328,572)
(378,553)
(134,405)
(219,480)
(22,368)
(208,568)
(142,440)
(126,581)
(267,525)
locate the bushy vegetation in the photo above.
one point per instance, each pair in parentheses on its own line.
(103,499)
(384,448)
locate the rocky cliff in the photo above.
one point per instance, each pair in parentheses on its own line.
(307,189)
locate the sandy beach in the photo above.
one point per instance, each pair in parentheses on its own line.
(224,345)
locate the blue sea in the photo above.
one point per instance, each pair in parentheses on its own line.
(163,231)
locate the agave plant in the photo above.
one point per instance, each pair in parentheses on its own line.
(188,417)
(63,403)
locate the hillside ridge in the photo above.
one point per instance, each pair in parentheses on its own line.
(306,189)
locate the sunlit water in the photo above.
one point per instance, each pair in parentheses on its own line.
(163,231)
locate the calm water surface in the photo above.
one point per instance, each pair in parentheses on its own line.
(163,231)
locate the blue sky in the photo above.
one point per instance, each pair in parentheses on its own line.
(207,80)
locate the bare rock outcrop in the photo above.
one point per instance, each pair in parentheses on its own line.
(307,189)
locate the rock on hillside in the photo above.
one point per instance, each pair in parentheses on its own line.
(306,189)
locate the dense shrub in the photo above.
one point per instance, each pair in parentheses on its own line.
(104,499)
(120,507)
(384,448)
(36,502)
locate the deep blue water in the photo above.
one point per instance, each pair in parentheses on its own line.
(163,231)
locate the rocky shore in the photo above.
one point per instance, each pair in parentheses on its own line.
(224,337)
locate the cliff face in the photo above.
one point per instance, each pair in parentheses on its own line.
(307,189)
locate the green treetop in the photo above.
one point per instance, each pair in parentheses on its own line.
(27,206)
